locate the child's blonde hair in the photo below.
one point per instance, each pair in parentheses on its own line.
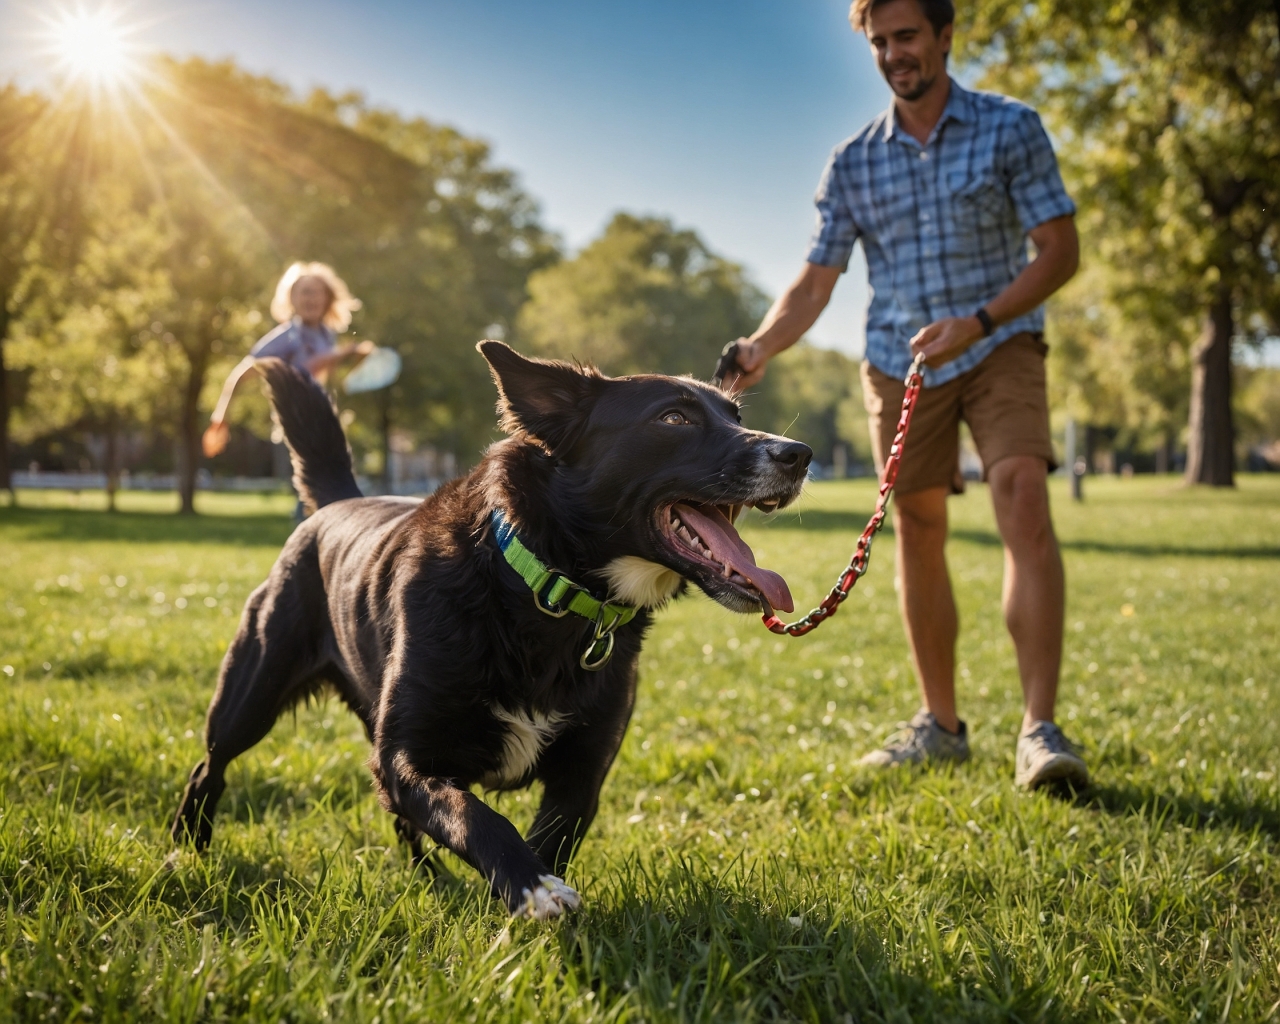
(341,302)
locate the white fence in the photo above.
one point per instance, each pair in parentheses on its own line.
(205,481)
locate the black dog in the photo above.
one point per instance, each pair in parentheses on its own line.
(439,623)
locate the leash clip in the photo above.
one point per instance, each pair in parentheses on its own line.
(592,661)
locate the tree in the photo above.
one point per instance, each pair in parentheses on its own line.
(647,297)
(437,241)
(222,178)
(84,346)
(1115,365)
(47,155)
(210,295)
(644,297)
(1169,119)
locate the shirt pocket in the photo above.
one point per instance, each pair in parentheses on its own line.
(979,202)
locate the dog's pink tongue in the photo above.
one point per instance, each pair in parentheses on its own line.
(719,535)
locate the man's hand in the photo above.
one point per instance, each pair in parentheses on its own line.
(795,311)
(944,340)
(215,438)
(750,359)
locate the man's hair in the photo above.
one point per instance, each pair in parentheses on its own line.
(940,13)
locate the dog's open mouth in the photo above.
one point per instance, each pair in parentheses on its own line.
(705,536)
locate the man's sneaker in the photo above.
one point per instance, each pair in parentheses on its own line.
(922,740)
(1045,755)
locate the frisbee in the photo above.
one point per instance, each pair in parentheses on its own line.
(379,369)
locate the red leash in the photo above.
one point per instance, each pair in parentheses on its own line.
(862,553)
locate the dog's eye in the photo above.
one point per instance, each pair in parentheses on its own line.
(674,419)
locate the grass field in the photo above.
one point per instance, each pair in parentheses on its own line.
(741,868)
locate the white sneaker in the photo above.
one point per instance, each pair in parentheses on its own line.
(923,739)
(1045,755)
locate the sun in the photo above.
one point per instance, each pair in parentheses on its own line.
(93,48)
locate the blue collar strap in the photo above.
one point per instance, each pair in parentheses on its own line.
(556,595)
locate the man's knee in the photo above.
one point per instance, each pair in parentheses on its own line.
(1021,497)
(920,518)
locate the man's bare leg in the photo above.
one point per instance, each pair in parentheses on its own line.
(1034,590)
(928,607)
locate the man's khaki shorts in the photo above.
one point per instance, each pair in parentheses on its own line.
(1002,399)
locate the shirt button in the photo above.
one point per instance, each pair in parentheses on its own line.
(924,155)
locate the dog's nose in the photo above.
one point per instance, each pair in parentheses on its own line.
(795,455)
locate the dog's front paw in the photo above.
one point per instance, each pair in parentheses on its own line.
(549,899)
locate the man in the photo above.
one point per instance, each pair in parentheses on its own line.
(943,189)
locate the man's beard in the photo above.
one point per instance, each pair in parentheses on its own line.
(922,86)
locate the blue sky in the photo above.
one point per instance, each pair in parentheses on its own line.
(717,114)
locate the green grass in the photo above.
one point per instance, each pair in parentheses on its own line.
(741,868)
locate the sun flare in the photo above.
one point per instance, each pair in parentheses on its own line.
(93,48)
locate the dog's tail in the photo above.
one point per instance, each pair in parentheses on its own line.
(322,471)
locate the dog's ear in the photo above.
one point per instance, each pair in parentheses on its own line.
(546,399)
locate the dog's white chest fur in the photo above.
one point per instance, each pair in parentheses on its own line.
(524,737)
(639,582)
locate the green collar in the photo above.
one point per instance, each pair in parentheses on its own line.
(557,595)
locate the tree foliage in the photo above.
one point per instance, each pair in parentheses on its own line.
(648,297)
(1168,115)
(47,156)
(214,181)
(435,239)
(644,297)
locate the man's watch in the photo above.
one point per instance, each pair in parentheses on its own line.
(984,318)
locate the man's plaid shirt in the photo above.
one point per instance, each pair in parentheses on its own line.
(943,224)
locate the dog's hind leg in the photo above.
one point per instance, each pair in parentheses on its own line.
(268,666)
(411,835)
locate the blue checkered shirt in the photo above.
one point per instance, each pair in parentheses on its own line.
(943,224)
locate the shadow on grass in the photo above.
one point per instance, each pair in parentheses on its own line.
(1182,810)
(717,956)
(820,520)
(988,538)
(144,527)
(250,799)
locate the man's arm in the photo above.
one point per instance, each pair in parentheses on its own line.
(1057,258)
(795,311)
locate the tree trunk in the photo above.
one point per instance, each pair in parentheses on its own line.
(6,471)
(189,435)
(1211,437)
(112,459)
